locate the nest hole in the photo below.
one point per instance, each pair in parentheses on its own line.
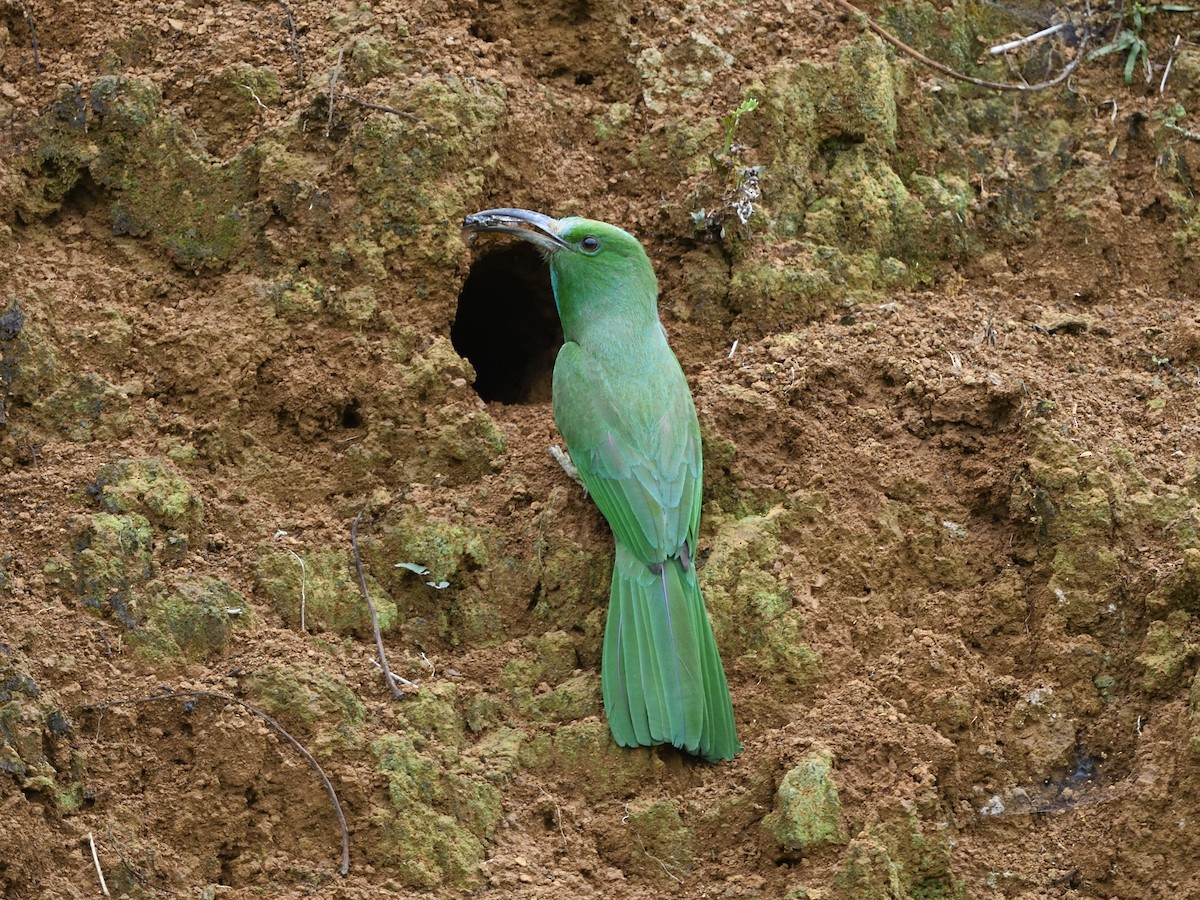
(507,325)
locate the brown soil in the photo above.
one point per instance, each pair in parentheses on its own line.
(952,533)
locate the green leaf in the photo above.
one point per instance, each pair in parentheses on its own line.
(1121,42)
(1136,50)
(415,568)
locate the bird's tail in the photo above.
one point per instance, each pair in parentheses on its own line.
(661,673)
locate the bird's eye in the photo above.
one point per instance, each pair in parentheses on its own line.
(589,244)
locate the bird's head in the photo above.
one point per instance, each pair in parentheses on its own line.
(596,269)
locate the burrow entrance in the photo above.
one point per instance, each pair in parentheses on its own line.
(507,325)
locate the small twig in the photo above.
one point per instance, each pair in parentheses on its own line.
(946,70)
(333,77)
(128,866)
(400,679)
(1021,42)
(1162,85)
(250,91)
(279,729)
(303,594)
(557,811)
(297,50)
(1190,135)
(303,579)
(362,583)
(387,109)
(99,871)
(37,60)
(659,861)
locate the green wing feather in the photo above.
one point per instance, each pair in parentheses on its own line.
(637,448)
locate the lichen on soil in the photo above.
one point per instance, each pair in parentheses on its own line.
(945,349)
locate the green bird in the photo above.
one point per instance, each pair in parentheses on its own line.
(623,407)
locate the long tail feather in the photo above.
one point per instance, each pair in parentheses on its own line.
(661,673)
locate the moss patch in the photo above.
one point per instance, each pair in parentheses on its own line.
(807,811)
(431,833)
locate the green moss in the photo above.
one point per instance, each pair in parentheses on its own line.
(866,206)
(311,702)
(864,85)
(500,753)
(190,617)
(431,832)
(201,213)
(807,811)
(576,698)
(241,90)
(472,444)
(905,856)
(1181,587)
(809,285)
(612,121)
(583,757)
(432,712)
(113,555)
(660,840)
(457,553)
(556,656)
(356,305)
(574,579)
(751,607)
(153,489)
(681,71)
(370,56)
(416,183)
(323,582)
(32,750)
(1166,653)
(85,408)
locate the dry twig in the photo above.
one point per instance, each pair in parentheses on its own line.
(946,70)
(99,871)
(362,583)
(365,104)
(1162,85)
(303,593)
(1028,39)
(1190,135)
(297,50)
(37,60)
(387,109)
(279,729)
(557,811)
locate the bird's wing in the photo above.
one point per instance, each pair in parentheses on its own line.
(636,443)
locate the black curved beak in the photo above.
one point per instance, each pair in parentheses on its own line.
(534,227)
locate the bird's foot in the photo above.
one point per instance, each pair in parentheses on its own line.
(563,459)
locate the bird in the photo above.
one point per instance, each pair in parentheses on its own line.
(623,407)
